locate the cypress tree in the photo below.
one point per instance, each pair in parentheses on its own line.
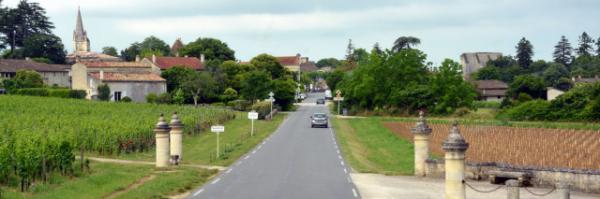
(562,51)
(524,53)
(585,45)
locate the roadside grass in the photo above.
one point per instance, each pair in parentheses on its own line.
(369,147)
(201,149)
(169,183)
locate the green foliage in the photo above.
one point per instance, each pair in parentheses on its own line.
(263,108)
(164,98)
(230,94)
(524,97)
(234,73)
(212,49)
(24,79)
(450,90)
(524,53)
(486,104)
(256,85)
(284,90)
(32,92)
(51,92)
(178,98)
(331,62)
(529,84)
(155,45)
(334,78)
(553,74)
(26,20)
(405,42)
(126,99)
(586,43)
(45,45)
(269,64)
(104,92)
(201,86)
(563,51)
(175,76)
(110,50)
(129,53)
(531,110)
(151,98)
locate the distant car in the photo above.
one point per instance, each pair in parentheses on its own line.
(302,96)
(319,120)
(328,95)
(320,101)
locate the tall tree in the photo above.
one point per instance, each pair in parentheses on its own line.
(110,50)
(585,45)
(350,52)
(45,46)
(524,53)
(405,42)
(598,47)
(255,85)
(269,64)
(129,54)
(3,23)
(22,22)
(331,62)
(212,49)
(563,51)
(153,45)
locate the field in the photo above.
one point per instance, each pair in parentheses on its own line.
(39,135)
(529,147)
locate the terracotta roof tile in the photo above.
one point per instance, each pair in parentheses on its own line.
(116,65)
(128,77)
(13,65)
(188,62)
(289,60)
(308,66)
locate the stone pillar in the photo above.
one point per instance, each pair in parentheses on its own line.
(455,147)
(176,139)
(421,140)
(512,187)
(162,142)
(563,190)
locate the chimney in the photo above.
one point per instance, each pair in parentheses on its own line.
(137,58)
(202,58)
(153,58)
(101,74)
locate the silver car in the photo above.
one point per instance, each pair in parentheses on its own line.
(319,120)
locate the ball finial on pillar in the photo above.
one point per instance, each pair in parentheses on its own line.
(455,147)
(161,131)
(421,134)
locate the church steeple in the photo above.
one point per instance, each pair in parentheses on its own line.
(81,42)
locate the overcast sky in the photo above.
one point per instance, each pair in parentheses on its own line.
(321,28)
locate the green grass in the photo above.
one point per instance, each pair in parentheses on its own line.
(170,183)
(369,147)
(201,149)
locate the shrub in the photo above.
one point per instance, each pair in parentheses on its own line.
(240,105)
(164,98)
(486,104)
(179,97)
(32,92)
(462,111)
(524,97)
(263,108)
(61,93)
(218,104)
(77,94)
(151,98)
(104,92)
(126,99)
(531,110)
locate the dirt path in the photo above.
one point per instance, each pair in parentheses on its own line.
(220,168)
(135,185)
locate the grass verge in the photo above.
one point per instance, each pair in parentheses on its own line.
(369,147)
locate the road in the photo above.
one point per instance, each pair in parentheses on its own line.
(296,161)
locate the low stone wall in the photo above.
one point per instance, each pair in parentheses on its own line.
(580,180)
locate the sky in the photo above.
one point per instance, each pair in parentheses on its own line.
(321,28)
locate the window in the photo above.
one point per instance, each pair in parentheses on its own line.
(117,96)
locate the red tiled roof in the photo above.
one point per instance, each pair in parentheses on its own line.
(188,62)
(128,77)
(289,60)
(116,64)
(13,65)
(490,84)
(308,66)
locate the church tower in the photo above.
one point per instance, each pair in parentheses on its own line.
(81,43)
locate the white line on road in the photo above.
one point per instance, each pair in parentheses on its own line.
(348,178)
(354,192)
(253,152)
(228,171)
(198,192)
(342,163)
(247,157)
(345,171)
(338,151)
(216,180)
(340,157)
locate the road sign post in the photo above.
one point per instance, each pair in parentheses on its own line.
(338,98)
(252,115)
(218,130)
(271,94)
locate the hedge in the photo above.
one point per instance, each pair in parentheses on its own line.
(50,92)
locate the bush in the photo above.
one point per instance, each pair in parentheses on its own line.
(151,98)
(218,104)
(462,111)
(524,97)
(263,108)
(126,99)
(240,105)
(164,98)
(104,92)
(486,104)
(77,94)
(61,93)
(32,92)
(531,110)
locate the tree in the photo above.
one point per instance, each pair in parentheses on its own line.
(104,92)
(212,49)
(255,85)
(230,94)
(528,84)
(376,48)
(179,97)
(562,51)
(361,55)
(23,22)
(585,45)
(153,46)
(331,62)
(350,52)
(554,73)
(405,42)
(450,89)
(284,90)
(175,76)
(334,78)
(130,53)
(3,24)
(201,86)
(269,64)
(110,50)
(45,46)
(487,73)
(234,72)
(524,53)
(598,47)
(26,79)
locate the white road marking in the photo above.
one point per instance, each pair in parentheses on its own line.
(348,178)
(342,163)
(345,171)
(198,192)
(228,171)
(259,147)
(338,151)
(216,180)
(253,152)
(340,157)
(354,192)
(247,157)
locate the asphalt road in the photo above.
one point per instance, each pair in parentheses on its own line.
(294,162)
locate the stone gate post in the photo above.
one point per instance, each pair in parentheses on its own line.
(176,139)
(162,142)
(421,140)
(455,147)
(563,190)
(512,188)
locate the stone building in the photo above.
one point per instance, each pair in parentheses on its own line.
(176,46)
(164,63)
(132,79)
(81,46)
(472,62)
(53,74)
(491,90)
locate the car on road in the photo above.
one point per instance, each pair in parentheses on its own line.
(319,120)
(328,95)
(320,101)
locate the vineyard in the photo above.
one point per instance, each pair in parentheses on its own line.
(526,147)
(40,135)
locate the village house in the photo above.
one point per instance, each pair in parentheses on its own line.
(126,79)
(81,46)
(472,62)
(552,93)
(52,74)
(491,90)
(292,63)
(309,66)
(164,63)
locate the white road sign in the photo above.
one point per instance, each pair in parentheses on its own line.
(338,99)
(253,115)
(217,129)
